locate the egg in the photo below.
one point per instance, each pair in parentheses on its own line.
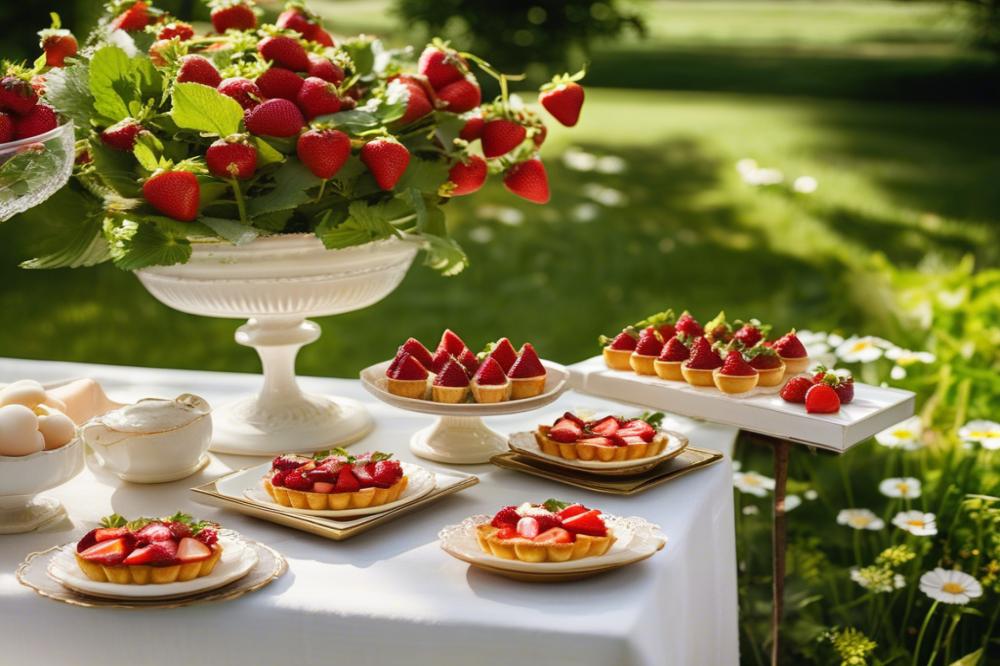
(57,429)
(54,403)
(19,434)
(25,392)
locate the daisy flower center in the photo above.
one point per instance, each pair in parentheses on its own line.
(953,588)
(917,523)
(903,434)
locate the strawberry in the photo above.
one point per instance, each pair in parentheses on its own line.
(473,128)
(563,100)
(527,364)
(547,522)
(764,358)
(346,481)
(122,135)
(387,159)
(624,341)
(324,152)
(507,532)
(322,37)
(296,480)
(58,44)
(198,69)
(275,117)
(408,368)
(527,179)
(749,335)
(298,19)
(666,330)
(501,136)
(135,17)
(233,15)
(822,399)
(176,194)
(39,120)
(795,389)
(318,98)
(528,527)
(503,352)
(160,552)
(565,430)
(490,374)
(467,176)
(284,51)
(108,553)
(244,91)
(450,342)
(505,516)
(178,529)
(574,418)
(790,346)
(232,157)
(278,478)
(841,383)
(703,357)
(176,30)
(572,510)
(845,390)
(554,535)
(279,82)
(637,428)
(387,472)
(649,343)
(418,104)
(192,550)
(674,351)
(326,69)
(16,95)
(417,350)
(735,364)
(688,326)
(154,531)
(108,533)
(440,359)
(363,472)
(468,361)
(461,95)
(441,67)
(588,522)
(596,441)
(605,427)
(208,536)
(453,375)
(288,462)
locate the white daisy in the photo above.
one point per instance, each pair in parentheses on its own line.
(811,494)
(860,350)
(752,483)
(860,519)
(987,433)
(950,587)
(898,373)
(792,501)
(904,435)
(737,465)
(900,488)
(906,357)
(751,510)
(916,523)
(805,185)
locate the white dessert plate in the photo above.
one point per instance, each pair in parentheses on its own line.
(635,540)
(525,442)
(556,378)
(237,560)
(419,484)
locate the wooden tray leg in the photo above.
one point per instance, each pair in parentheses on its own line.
(778,545)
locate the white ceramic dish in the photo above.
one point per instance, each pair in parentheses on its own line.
(23,477)
(525,441)
(419,484)
(236,561)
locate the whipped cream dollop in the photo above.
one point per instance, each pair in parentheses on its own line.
(152,415)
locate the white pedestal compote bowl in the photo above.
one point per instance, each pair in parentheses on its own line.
(276,283)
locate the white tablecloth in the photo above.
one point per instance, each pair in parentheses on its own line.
(391,596)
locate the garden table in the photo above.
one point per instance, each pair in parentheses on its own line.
(391,595)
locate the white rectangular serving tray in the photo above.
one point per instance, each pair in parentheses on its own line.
(873,409)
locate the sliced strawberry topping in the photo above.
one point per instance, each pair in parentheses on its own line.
(154,532)
(573,417)
(554,535)
(624,341)
(790,346)
(674,350)
(363,472)
(108,533)
(490,374)
(416,349)
(736,365)
(605,427)
(323,487)
(649,343)
(638,428)
(596,441)
(452,343)
(527,364)
(507,532)
(572,510)
(108,553)
(506,516)
(297,481)
(409,369)
(566,431)
(159,552)
(504,354)
(440,359)
(589,523)
(702,356)
(192,550)
(469,361)
(288,462)
(386,472)
(452,375)
(689,326)
(346,481)
(548,521)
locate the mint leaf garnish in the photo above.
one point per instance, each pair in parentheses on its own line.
(555,505)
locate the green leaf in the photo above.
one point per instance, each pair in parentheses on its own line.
(68,89)
(116,169)
(136,245)
(291,181)
(362,53)
(145,152)
(353,121)
(233,231)
(198,107)
(114,520)
(444,255)
(68,225)
(275,221)
(266,154)
(555,505)
(447,127)
(365,223)
(111,83)
(970,659)
(425,175)
(654,419)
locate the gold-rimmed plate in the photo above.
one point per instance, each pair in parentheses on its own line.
(525,443)
(33,574)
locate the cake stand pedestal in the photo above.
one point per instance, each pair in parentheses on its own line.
(459,436)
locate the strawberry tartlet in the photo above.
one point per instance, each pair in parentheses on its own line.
(697,370)
(688,326)
(406,377)
(792,352)
(502,351)
(551,532)
(618,351)
(769,366)
(335,480)
(490,384)
(646,350)
(607,439)
(668,364)
(451,385)
(735,375)
(527,374)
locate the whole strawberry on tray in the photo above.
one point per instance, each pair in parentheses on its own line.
(823,392)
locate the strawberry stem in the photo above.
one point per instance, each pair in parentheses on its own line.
(322,188)
(240,204)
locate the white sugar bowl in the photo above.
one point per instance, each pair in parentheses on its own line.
(22,509)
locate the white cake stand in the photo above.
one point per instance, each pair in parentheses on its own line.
(459,435)
(277,282)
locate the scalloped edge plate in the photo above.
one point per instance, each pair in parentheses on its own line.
(526,444)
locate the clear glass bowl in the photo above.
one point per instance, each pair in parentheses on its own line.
(32,169)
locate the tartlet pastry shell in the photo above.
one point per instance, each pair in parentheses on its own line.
(449,394)
(406,388)
(795,365)
(360,499)
(529,551)
(734,383)
(643,365)
(526,387)
(668,370)
(618,359)
(579,451)
(487,393)
(771,376)
(697,376)
(142,574)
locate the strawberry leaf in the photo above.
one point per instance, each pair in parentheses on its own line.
(555,505)
(233,231)
(291,181)
(68,89)
(114,520)
(198,107)
(135,245)
(69,225)
(654,419)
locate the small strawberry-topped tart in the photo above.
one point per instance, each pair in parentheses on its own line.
(417,350)
(451,343)
(792,352)
(451,385)
(697,370)
(606,439)
(406,377)
(769,366)
(646,350)
(502,351)
(668,364)
(527,374)
(719,330)
(550,532)
(335,480)
(751,333)
(735,375)
(490,384)
(149,550)
(618,350)
(688,326)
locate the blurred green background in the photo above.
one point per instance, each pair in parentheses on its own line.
(889,106)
